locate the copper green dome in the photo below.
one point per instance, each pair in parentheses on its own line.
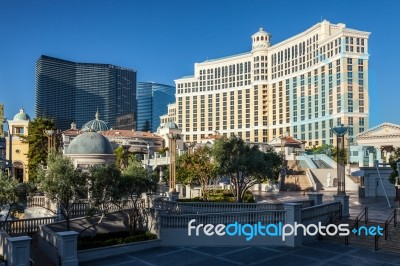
(90,143)
(95,125)
(21,116)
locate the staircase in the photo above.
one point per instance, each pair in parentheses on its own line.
(295,179)
(391,244)
(321,164)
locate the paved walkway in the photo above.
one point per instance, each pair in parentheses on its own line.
(313,254)
(316,253)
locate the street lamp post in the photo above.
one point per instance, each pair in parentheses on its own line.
(172,136)
(340,132)
(341,192)
(10,163)
(51,139)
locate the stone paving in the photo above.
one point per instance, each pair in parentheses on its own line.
(315,253)
(312,254)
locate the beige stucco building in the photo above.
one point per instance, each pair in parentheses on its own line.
(302,86)
(19,150)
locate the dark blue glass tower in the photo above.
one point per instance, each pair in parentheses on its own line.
(72,92)
(152,102)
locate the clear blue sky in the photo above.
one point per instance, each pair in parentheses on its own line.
(163,39)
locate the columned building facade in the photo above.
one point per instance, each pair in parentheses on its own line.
(302,86)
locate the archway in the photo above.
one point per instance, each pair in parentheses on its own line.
(19,171)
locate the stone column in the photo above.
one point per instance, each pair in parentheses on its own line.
(344,199)
(188,192)
(378,155)
(371,160)
(67,243)
(18,251)
(292,215)
(361,157)
(316,197)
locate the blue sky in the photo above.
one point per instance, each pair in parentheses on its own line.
(163,39)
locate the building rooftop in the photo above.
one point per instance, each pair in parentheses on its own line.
(129,134)
(21,116)
(90,143)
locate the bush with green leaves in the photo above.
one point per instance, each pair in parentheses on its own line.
(12,196)
(113,238)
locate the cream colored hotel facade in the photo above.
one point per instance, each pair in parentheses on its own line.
(302,86)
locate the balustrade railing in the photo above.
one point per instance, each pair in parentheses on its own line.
(26,226)
(37,201)
(175,221)
(217,207)
(320,211)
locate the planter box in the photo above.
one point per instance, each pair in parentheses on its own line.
(103,252)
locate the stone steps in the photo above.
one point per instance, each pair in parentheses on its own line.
(296,183)
(392,244)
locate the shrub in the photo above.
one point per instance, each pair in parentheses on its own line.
(221,195)
(113,238)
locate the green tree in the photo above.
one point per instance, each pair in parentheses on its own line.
(342,154)
(197,168)
(103,186)
(323,149)
(124,191)
(12,196)
(243,164)
(393,160)
(63,184)
(135,181)
(37,140)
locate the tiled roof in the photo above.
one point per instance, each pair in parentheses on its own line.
(129,134)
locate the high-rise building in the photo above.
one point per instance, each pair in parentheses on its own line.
(152,102)
(72,92)
(302,86)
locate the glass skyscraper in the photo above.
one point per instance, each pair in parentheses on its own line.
(152,102)
(72,92)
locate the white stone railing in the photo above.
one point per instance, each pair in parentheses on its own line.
(320,212)
(15,250)
(311,178)
(79,209)
(308,160)
(328,160)
(37,201)
(220,207)
(26,226)
(175,221)
(60,248)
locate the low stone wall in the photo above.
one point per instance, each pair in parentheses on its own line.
(103,252)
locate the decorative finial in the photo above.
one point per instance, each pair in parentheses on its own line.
(97,114)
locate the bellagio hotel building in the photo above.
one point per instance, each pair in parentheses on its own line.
(302,86)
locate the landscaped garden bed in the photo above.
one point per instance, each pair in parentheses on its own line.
(221,196)
(113,238)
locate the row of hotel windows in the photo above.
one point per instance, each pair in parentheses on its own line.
(289,64)
(302,136)
(240,78)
